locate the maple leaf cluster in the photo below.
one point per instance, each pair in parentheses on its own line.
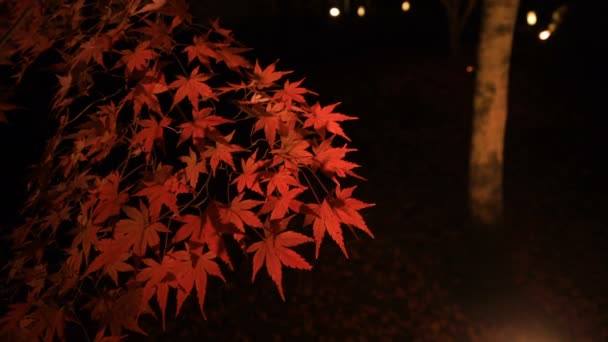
(158,158)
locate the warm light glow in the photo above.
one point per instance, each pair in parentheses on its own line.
(544,35)
(557,16)
(361,11)
(531,18)
(405,6)
(470,69)
(334,11)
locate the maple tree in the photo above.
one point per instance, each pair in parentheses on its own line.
(159,157)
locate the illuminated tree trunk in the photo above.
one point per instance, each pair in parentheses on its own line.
(490,110)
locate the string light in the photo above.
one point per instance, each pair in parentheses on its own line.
(405,6)
(334,12)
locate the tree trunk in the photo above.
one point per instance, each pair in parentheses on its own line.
(490,111)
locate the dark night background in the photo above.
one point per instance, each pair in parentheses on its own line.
(426,276)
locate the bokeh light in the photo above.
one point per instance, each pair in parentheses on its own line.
(531,18)
(405,6)
(334,11)
(361,11)
(544,35)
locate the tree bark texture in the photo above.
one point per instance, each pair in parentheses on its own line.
(490,111)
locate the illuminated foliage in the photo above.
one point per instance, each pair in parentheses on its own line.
(169,141)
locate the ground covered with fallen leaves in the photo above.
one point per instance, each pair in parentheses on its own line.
(428,275)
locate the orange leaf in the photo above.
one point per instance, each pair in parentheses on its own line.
(326,220)
(279,206)
(238,213)
(193,87)
(331,160)
(194,274)
(110,200)
(159,277)
(163,194)
(152,131)
(138,59)
(138,230)
(323,120)
(250,177)
(113,257)
(267,77)
(203,125)
(274,252)
(222,151)
(292,92)
(346,208)
(192,226)
(193,168)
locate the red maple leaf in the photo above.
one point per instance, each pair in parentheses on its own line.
(274,119)
(222,151)
(179,11)
(278,207)
(194,274)
(239,213)
(138,59)
(152,131)
(154,6)
(249,178)
(93,49)
(325,219)
(159,34)
(293,151)
(113,258)
(232,56)
(331,213)
(227,34)
(145,91)
(323,120)
(346,208)
(138,230)
(163,190)
(331,160)
(192,226)
(203,125)
(193,168)
(159,277)
(162,194)
(292,92)
(193,87)
(282,180)
(202,50)
(274,252)
(118,309)
(265,78)
(110,200)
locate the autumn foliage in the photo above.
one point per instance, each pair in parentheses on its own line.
(170,141)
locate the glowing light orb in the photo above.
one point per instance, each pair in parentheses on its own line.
(544,35)
(361,11)
(334,11)
(531,18)
(470,69)
(405,6)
